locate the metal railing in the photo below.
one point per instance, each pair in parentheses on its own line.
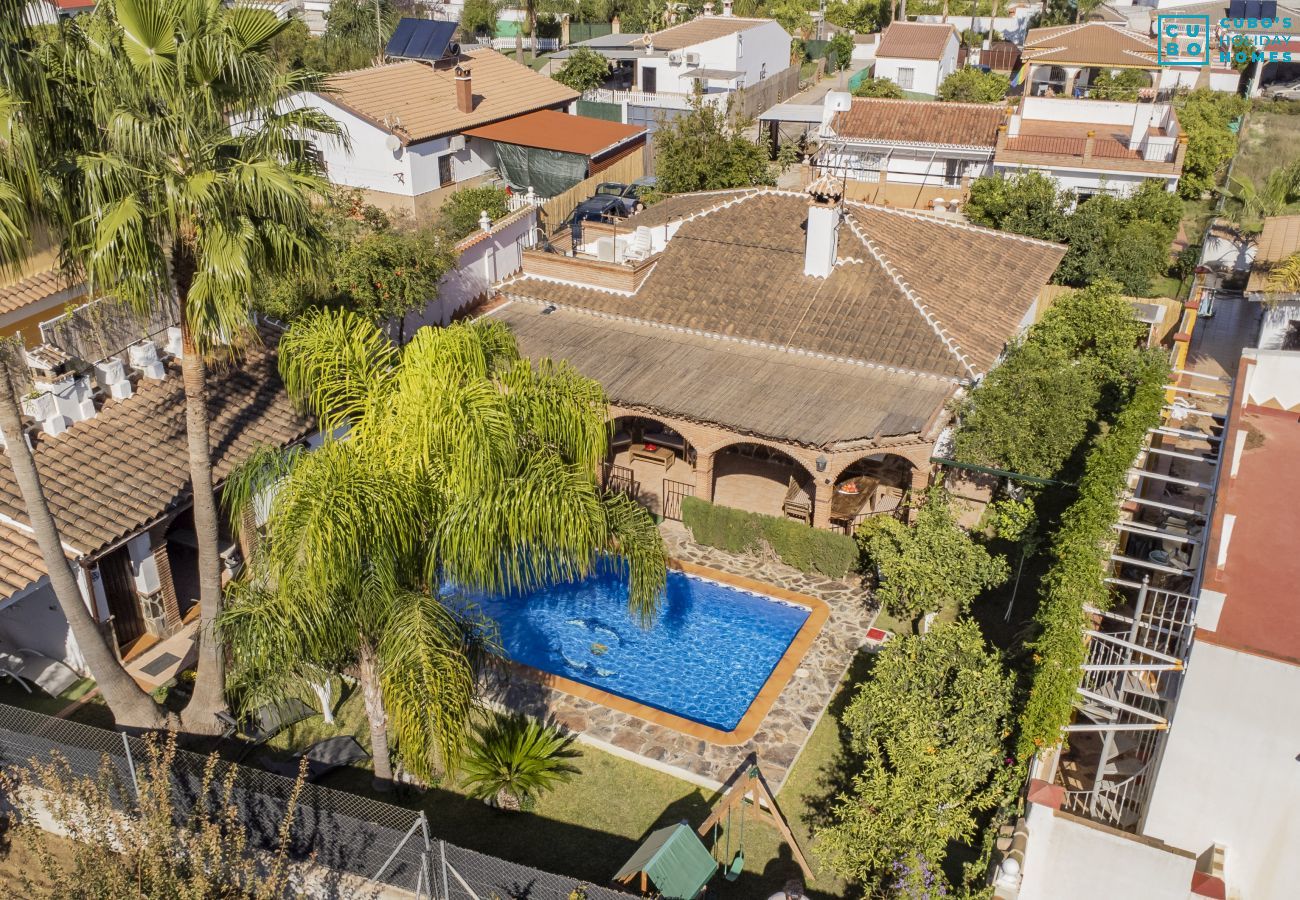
(346,833)
(673,493)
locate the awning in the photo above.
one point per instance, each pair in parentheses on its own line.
(712,74)
(794,112)
(549,129)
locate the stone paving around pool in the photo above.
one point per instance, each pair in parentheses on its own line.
(786,727)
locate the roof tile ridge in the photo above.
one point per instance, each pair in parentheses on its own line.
(744,195)
(553,280)
(921,216)
(732,339)
(931,319)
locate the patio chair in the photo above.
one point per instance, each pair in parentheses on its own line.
(642,244)
(267,721)
(620,440)
(797,503)
(665,439)
(28,667)
(322,757)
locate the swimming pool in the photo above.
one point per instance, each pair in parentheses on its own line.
(711,648)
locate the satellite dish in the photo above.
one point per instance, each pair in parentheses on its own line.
(393,143)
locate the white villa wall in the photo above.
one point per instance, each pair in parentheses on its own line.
(1277,320)
(922,164)
(1088,181)
(1230,773)
(1274,380)
(1067,858)
(1098,112)
(926,73)
(758,52)
(32,620)
(1008,28)
(369,164)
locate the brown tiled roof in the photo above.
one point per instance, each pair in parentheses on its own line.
(423,98)
(550,129)
(33,289)
(753,390)
(921,122)
(1279,239)
(1089,44)
(698,30)
(20,560)
(910,291)
(109,476)
(915,40)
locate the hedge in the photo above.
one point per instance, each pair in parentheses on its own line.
(810,550)
(1080,549)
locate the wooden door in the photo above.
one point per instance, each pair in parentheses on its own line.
(119,590)
(649,80)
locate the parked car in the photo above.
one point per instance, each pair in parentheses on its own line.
(628,194)
(1283,90)
(598,208)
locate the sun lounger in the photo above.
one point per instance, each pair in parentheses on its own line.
(28,667)
(322,758)
(267,721)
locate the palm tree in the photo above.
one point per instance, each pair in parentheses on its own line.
(1257,201)
(514,759)
(1284,277)
(176,205)
(463,467)
(27,108)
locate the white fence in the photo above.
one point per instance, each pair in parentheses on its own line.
(542,45)
(662,99)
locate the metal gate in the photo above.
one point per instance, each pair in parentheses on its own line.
(673,493)
(622,480)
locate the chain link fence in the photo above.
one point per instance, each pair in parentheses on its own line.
(384,844)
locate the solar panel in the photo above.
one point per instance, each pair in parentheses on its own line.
(422,39)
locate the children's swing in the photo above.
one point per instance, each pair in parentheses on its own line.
(749,781)
(737,864)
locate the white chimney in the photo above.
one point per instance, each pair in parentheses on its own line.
(823,231)
(1142,116)
(144,356)
(708,9)
(726,7)
(111,375)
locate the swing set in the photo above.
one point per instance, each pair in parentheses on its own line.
(762,806)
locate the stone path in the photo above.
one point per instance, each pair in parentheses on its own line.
(786,727)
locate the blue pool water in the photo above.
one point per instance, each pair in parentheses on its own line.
(707,655)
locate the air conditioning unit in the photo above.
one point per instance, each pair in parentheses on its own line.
(692,59)
(457,143)
(674,59)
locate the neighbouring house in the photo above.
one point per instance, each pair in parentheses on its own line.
(108,434)
(407,123)
(1066,59)
(908,153)
(31,299)
(1279,240)
(1271,31)
(620,49)
(1093,146)
(767,349)
(48,12)
(1195,785)
(917,57)
(549,152)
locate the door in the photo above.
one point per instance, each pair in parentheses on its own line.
(649,80)
(119,590)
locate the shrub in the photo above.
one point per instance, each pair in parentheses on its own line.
(810,550)
(1124,85)
(460,213)
(970,85)
(584,70)
(878,87)
(515,759)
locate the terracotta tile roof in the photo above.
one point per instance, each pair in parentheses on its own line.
(752,390)
(1089,44)
(33,289)
(698,30)
(1279,239)
(550,129)
(423,97)
(20,560)
(921,122)
(915,40)
(910,291)
(111,475)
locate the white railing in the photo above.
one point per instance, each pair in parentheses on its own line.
(659,98)
(516,202)
(542,44)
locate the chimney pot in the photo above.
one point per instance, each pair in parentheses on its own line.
(726,7)
(464,90)
(143,355)
(821,240)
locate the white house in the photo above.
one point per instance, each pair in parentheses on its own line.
(720,54)
(917,57)
(909,152)
(406,123)
(1093,146)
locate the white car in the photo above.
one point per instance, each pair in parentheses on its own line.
(1282,90)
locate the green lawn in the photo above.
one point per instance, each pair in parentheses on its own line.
(587,827)
(93,712)
(1270,141)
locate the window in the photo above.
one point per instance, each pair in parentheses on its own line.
(444,170)
(649,79)
(762,71)
(905,78)
(952,172)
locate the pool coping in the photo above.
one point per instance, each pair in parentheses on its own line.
(818,612)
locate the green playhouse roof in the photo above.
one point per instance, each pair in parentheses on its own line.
(675,860)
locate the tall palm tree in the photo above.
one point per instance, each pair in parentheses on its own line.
(27,108)
(463,467)
(176,204)
(1284,277)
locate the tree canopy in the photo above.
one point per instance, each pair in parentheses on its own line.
(1122,238)
(1204,115)
(1122,85)
(861,16)
(460,213)
(1034,412)
(970,85)
(703,151)
(583,70)
(878,87)
(930,565)
(929,725)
